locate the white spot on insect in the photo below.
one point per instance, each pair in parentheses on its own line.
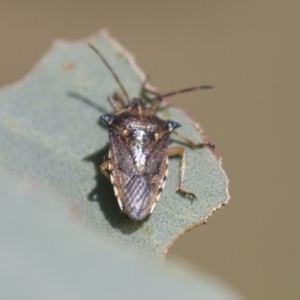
(112,180)
(163,180)
(116,191)
(120,203)
(157,198)
(153,206)
(161,187)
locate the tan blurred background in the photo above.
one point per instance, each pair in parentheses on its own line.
(250,51)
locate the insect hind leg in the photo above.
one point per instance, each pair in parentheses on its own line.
(179,151)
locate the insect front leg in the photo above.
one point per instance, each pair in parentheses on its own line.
(156,101)
(179,151)
(114,103)
(104,168)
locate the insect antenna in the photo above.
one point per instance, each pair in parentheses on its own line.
(157,100)
(111,70)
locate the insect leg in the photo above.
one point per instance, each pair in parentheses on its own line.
(156,102)
(116,100)
(192,144)
(114,104)
(104,168)
(120,97)
(179,151)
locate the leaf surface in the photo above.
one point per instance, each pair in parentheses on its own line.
(45,254)
(49,132)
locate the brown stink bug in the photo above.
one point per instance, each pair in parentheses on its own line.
(137,162)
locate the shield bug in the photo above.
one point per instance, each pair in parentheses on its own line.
(137,162)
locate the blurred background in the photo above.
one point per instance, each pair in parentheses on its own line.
(250,52)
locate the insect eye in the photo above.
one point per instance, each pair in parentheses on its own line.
(173,125)
(108,119)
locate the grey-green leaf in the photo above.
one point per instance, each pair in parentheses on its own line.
(49,132)
(45,254)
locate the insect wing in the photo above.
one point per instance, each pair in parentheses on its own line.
(136,193)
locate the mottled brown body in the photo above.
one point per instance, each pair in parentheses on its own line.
(137,162)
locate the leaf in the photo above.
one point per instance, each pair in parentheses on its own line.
(49,132)
(45,254)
